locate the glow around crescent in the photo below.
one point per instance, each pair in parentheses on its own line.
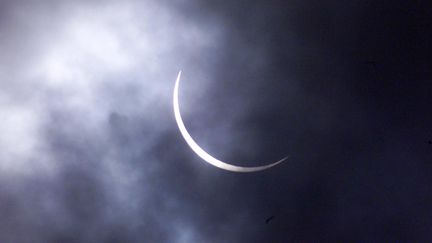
(199,151)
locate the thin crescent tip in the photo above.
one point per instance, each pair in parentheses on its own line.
(280,161)
(178,77)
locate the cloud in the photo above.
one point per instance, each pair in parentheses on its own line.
(87,146)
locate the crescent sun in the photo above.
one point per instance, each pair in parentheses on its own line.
(201,152)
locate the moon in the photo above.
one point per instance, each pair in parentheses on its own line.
(201,152)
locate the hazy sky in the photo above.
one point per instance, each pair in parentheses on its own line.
(90,151)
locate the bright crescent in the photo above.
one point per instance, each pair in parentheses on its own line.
(203,154)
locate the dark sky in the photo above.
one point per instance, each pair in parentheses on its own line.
(90,150)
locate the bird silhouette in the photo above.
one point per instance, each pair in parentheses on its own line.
(269,219)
